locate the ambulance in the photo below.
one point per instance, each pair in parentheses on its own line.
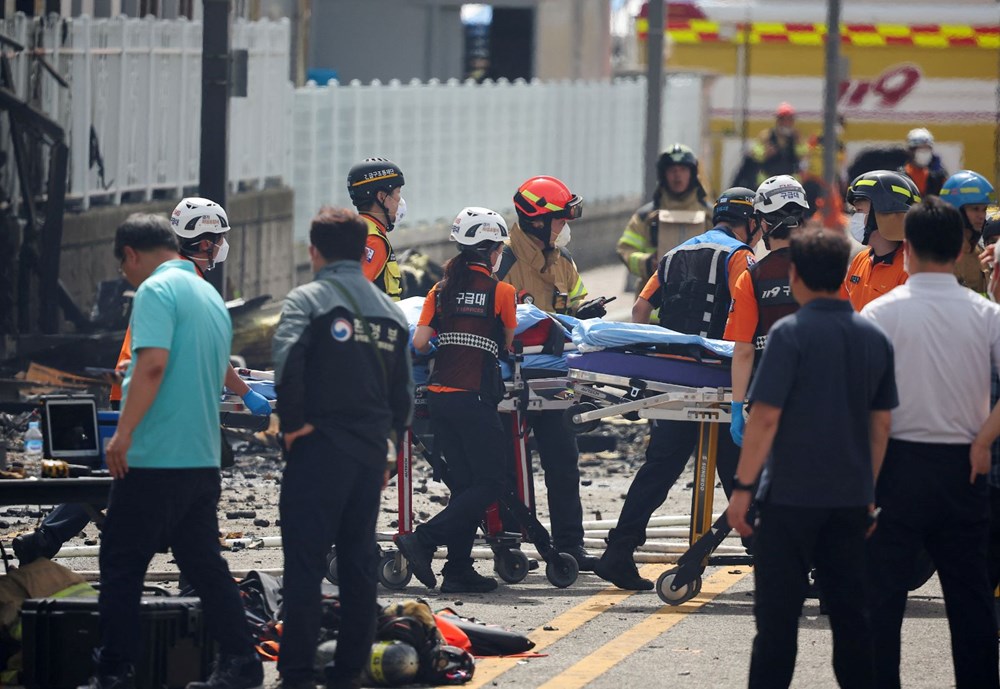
(903,65)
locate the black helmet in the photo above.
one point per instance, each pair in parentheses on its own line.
(373,175)
(734,206)
(889,192)
(678,154)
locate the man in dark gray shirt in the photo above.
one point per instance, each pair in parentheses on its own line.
(820,419)
(342,374)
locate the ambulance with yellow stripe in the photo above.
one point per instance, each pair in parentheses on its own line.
(903,65)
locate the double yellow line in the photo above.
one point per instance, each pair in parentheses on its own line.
(615,651)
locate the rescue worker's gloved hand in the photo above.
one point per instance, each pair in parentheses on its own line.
(738,424)
(257,403)
(592,309)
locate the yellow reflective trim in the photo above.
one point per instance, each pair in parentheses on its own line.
(867,40)
(633,238)
(929,41)
(865,183)
(969,190)
(893,30)
(578,290)
(535,199)
(803,38)
(902,190)
(956,30)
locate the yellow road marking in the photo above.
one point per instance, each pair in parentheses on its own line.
(488,669)
(610,654)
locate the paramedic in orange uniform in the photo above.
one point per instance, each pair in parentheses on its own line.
(474,317)
(881,199)
(762,295)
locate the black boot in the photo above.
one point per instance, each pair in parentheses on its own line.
(584,560)
(32,546)
(419,557)
(466,580)
(617,566)
(234,672)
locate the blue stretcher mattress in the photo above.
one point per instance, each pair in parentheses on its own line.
(653,367)
(594,335)
(528,316)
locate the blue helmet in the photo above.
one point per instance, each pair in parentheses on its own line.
(965,188)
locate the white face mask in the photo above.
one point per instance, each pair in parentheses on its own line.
(496,263)
(857,226)
(400,211)
(923,157)
(562,239)
(786,131)
(223,252)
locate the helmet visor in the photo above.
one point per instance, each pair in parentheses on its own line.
(573,209)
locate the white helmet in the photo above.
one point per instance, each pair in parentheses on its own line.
(475,225)
(776,193)
(195,216)
(919,137)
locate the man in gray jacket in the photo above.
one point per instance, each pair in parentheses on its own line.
(342,374)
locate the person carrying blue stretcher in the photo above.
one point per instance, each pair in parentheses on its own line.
(691,288)
(762,294)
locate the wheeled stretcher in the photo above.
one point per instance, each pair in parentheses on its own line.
(650,372)
(534,381)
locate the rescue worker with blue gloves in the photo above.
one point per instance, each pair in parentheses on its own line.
(473,317)
(201,227)
(762,294)
(691,288)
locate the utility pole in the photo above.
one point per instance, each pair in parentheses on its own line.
(830,142)
(213,167)
(654,93)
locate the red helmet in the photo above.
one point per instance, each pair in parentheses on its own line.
(547,198)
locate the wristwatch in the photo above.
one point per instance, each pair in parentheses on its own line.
(737,485)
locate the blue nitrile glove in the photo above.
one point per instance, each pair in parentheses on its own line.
(257,403)
(738,424)
(433,343)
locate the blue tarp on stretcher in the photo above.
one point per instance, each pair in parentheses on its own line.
(593,335)
(528,315)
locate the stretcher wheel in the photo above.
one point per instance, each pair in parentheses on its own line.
(331,565)
(681,595)
(393,572)
(511,565)
(562,570)
(580,408)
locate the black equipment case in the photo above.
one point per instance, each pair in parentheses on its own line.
(59,636)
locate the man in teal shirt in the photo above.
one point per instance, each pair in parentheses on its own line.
(164,457)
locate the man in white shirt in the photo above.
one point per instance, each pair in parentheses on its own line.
(932,487)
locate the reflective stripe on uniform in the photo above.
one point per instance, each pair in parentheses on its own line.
(635,240)
(578,290)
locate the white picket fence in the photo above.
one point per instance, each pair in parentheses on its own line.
(136,83)
(462,143)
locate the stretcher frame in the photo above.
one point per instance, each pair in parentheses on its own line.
(521,397)
(602,395)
